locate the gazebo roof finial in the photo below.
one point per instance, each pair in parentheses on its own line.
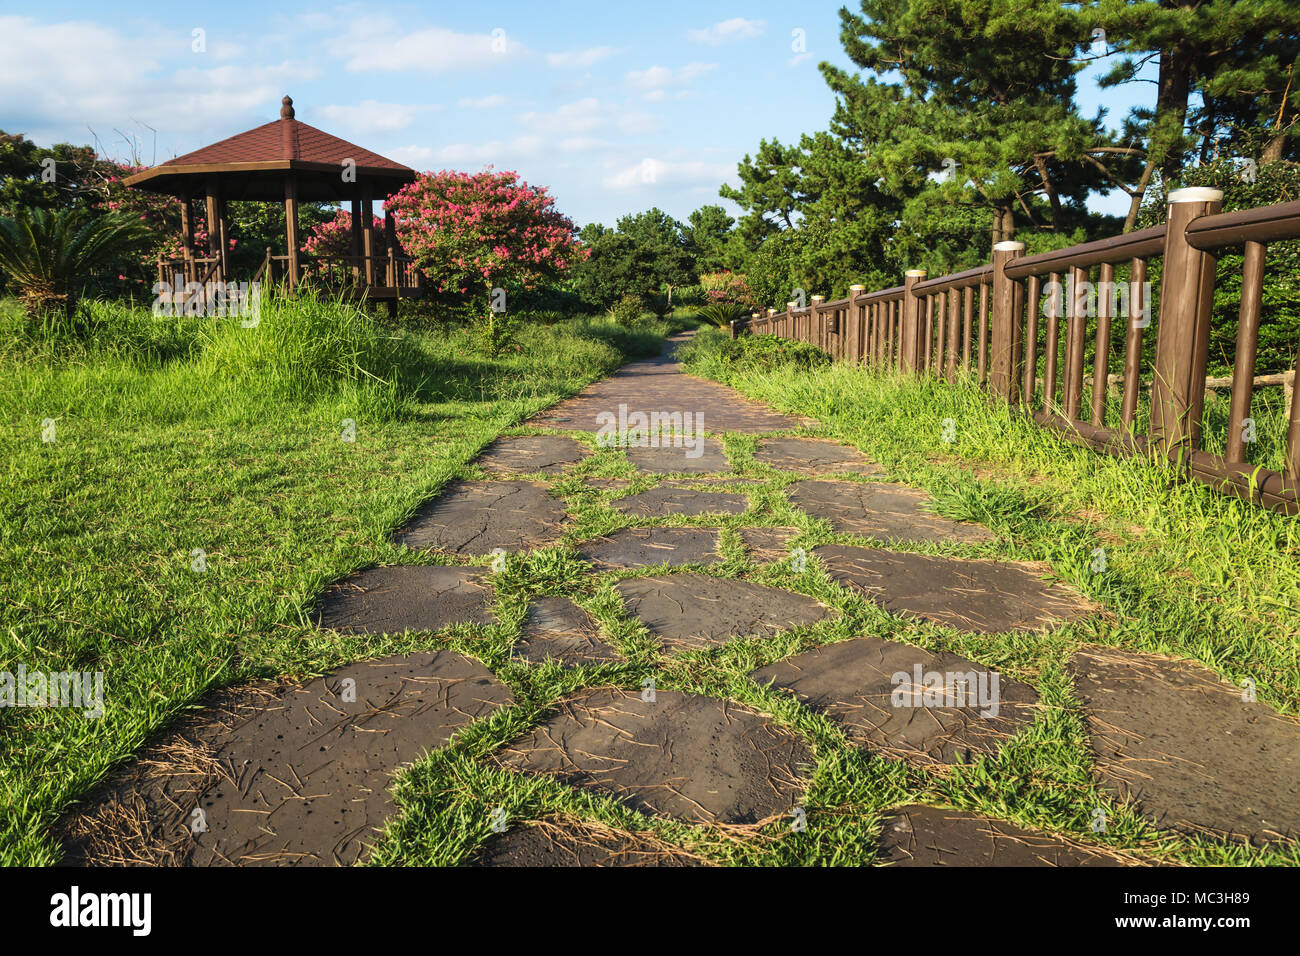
(286,110)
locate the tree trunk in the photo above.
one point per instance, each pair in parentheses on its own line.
(1004,222)
(1173,87)
(1273,149)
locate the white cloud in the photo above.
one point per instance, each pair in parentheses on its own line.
(580,58)
(491,152)
(587,116)
(371,116)
(381,44)
(797,59)
(737,28)
(657,77)
(489,102)
(58,79)
(659,172)
(583,144)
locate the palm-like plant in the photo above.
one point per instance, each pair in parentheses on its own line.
(721,314)
(49,256)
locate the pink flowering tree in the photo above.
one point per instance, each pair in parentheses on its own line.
(472,232)
(334,237)
(727,287)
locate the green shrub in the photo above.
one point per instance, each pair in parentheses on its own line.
(721,314)
(714,354)
(49,257)
(626,311)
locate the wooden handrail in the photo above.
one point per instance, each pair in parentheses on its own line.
(985,321)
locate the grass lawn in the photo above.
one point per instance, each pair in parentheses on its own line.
(173,435)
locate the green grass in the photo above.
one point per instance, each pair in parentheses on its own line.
(179,434)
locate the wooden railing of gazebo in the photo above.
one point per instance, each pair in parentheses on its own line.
(388,276)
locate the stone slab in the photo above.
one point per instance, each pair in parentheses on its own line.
(971,595)
(397,598)
(813,456)
(683,755)
(880,510)
(874,691)
(1185,746)
(667,500)
(529,454)
(558,629)
(925,836)
(476,517)
(644,547)
(694,611)
(293,776)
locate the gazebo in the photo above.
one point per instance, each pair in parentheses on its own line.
(291,162)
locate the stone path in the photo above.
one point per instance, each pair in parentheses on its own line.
(301,774)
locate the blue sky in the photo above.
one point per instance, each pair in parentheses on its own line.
(615,106)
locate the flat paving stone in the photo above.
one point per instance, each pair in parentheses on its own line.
(1181,743)
(879,510)
(643,547)
(574,843)
(684,755)
(669,500)
(659,385)
(295,776)
(925,836)
(557,628)
(704,456)
(813,456)
(393,599)
(877,692)
(988,597)
(693,611)
(528,454)
(767,544)
(476,517)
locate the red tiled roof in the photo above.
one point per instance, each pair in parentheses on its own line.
(284,139)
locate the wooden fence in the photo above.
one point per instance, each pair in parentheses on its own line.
(975,323)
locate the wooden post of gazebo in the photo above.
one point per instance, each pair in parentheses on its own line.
(356,240)
(187,237)
(212,190)
(223,243)
(390,246)
(368,233)
(291,228)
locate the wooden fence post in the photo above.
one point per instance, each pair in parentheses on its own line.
(860,316)
(1002,376)
(1183,333)
(909,356)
